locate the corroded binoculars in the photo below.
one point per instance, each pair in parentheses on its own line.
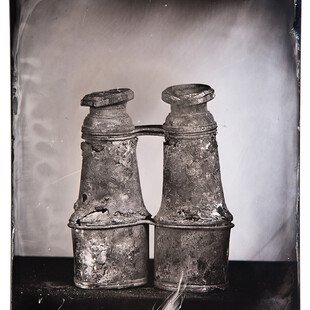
(110,222)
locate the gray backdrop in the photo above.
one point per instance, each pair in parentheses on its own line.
(243,49)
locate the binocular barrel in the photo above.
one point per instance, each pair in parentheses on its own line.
(109,231)
(110,222)
(193,223)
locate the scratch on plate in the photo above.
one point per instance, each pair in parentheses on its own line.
(65,176)
(63,301)
(84,15)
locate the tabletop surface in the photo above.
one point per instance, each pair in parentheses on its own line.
(47,283)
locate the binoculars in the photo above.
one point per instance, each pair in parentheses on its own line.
(110,224)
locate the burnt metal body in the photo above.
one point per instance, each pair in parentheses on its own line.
(193,224)
(110,222)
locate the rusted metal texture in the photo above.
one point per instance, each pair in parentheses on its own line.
(111,258)
(109,224)
(193,223)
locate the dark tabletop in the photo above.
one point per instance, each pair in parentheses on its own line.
(47,283)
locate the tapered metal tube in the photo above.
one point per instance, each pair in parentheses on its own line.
(109,227)
(193,223)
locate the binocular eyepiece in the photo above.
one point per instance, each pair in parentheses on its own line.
(110,222)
